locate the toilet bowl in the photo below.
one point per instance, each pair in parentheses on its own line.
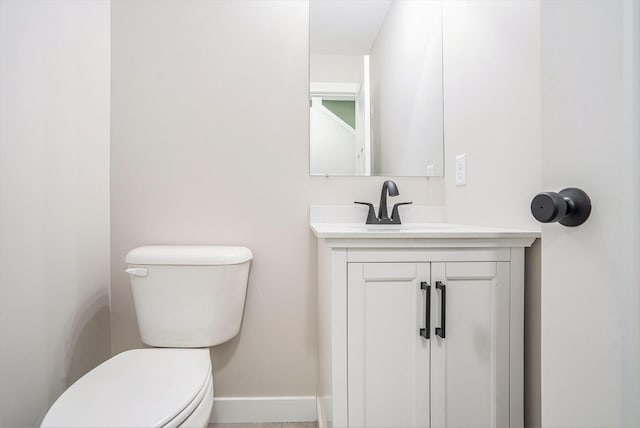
(187,298)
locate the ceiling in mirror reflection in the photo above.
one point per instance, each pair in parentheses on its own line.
(376,87)
(346,27)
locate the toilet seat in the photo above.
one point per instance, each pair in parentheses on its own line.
(140,388)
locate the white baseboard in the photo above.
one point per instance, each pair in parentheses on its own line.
(264,409)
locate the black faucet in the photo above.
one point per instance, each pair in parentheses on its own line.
(388,188)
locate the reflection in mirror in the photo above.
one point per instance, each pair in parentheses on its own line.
(376,103)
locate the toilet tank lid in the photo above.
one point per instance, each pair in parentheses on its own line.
(188,255)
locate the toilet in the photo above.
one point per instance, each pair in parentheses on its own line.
(187,298)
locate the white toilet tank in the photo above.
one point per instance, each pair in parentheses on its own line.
(188,296)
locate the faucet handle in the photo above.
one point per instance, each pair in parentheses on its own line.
(395,215)
(371,215)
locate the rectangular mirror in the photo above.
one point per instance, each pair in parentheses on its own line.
(376,101)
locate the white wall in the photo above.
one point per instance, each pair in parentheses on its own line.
(210,133)
(332,143)
(492,110)
(336,68)
(54,200)
(406,90)
(492,113)
(590,275)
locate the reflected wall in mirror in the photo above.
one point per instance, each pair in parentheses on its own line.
(376,103)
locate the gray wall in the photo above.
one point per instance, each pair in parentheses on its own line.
(210,146)
(54,201)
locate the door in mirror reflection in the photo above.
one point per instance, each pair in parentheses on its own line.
(376,99)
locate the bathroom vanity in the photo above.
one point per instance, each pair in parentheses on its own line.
(420,325)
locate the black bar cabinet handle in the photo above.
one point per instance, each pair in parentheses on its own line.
(441,331)
(424,332)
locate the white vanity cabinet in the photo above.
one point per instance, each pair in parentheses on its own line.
(421,327)
(401,372)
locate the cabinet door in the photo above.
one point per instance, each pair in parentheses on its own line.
(470,365)
(388,359)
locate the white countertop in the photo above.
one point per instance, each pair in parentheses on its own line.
(416,230)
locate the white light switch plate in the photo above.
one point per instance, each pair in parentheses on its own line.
(461,169)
